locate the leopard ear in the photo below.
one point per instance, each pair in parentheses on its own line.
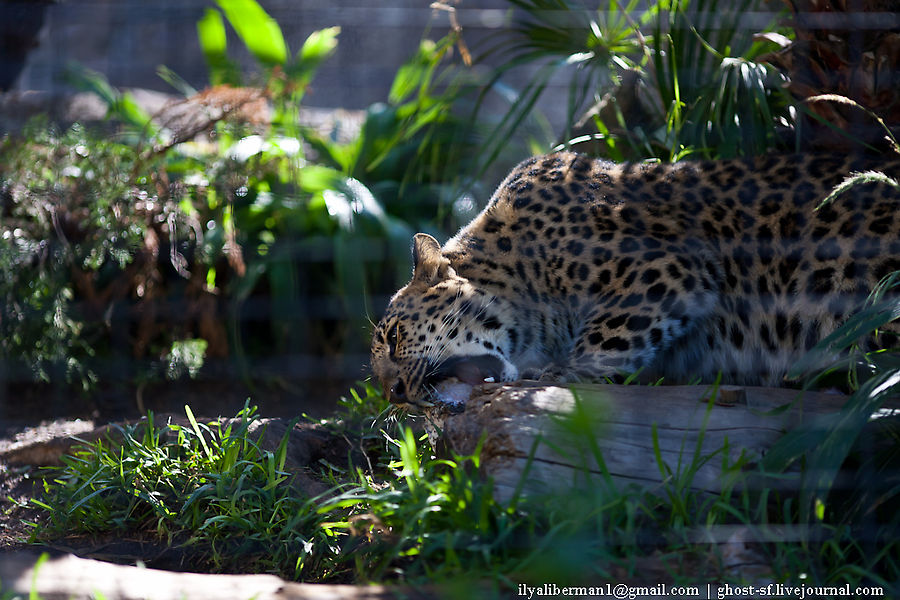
(429,265)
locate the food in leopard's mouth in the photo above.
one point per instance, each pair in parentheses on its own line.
(453,380)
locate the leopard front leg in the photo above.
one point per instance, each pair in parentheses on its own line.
(588,367)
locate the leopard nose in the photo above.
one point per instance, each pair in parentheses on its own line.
(398,393)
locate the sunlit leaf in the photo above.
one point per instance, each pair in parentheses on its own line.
(259,32)
(415,73)
(315,50)
(317,178)
(213,42)
(211,33)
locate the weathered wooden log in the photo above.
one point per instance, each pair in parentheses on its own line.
(555,435)
(71,578)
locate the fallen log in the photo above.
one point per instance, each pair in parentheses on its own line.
(537,437)
(68,577)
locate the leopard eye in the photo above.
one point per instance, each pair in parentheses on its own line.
(393,338)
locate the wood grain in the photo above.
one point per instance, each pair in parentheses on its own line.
(560,434)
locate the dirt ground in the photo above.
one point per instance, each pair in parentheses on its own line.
(27,421)
(19,483)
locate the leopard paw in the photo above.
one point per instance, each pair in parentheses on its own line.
(558,374)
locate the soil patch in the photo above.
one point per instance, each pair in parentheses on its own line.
(28,456)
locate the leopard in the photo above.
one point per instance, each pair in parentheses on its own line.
(582,269)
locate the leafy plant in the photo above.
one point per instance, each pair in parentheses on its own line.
(874,377)
(848,483)
(717,100)
(80,236)
(412,150)
(209,486)
(436,519)
(405,515)
(658,81)
(361,195)
(561,34)
(269,217)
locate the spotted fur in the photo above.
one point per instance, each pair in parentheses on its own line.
(580,269)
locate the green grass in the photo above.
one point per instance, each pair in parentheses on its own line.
(406,516)
(403,514)
(207,487)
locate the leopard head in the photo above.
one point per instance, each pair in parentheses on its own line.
(439,329)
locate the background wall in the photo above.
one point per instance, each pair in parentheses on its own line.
(128,39)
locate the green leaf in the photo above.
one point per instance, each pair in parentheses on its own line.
(33,595)
(416,73)
(860,324)
(829,454)
(259,32)
(333,154)
(317,47)
(315,178)
(121,105)
(175,80)
(855,180)
(128,108)
(196,427)
(211,35)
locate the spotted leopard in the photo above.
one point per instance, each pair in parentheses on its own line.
(580,269)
